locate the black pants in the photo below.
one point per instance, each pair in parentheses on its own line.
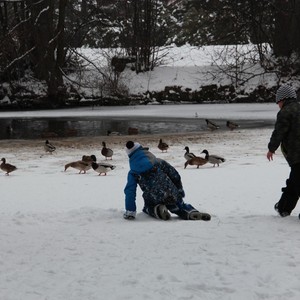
(290,193)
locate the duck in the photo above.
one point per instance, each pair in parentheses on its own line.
(89,158)
(8,168)
(80,165)
(113,133)
(163,146)
(188,155)
(49,147)
(133,131)
(232,125)
(196,161)
(102,168)
(213,159)
(211,125)
(107,152)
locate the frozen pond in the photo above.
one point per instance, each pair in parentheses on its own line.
(148,119)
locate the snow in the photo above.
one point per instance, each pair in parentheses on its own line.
(264,111)
(62,234)
(187,67)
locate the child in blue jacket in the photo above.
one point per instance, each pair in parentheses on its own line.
(161,185)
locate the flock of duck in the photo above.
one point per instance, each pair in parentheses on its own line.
(192,159)
(88,162)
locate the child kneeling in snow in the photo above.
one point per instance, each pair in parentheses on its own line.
(161,185)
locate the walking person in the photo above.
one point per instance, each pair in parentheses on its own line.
(161,185)
(286,134)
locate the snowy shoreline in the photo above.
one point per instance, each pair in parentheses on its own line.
(63,237)
(248,111)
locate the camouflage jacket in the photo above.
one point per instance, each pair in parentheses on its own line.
(287,132)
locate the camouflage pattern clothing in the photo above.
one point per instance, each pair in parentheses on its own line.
(159,181)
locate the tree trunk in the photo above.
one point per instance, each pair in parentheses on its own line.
(144,17)
(283,19)
(56,89)
(48,38)
(295,25)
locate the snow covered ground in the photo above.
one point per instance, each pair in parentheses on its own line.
(62,234)
(187,66)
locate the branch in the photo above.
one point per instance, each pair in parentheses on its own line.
(19,58)
(89,61)
(73,81)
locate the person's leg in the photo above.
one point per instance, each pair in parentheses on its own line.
(158,191)
(187,212)
(290,193)
(159,211)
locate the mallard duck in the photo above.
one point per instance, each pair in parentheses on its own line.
(80,165)
(163,146)
(89,158)
(231,125)
(102,168)
(188,155)
(213,159)
(49,147)
(211,125)
(8,168)
(196,161)
(113,133)
(107,152)
(133,131)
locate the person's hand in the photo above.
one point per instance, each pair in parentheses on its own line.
(129,215)
(270,155)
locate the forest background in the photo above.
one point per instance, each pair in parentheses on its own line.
(42,42)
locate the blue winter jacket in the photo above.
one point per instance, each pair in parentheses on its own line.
(159,181)
(140,161)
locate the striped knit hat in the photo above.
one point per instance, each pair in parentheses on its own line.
(285,92)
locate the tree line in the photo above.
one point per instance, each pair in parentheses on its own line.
(37,36)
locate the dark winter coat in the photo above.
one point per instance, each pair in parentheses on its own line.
(287,132)
(159,181)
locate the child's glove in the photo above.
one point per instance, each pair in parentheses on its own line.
(129,215)
(181,193)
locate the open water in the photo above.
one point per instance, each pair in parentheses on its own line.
(36,128)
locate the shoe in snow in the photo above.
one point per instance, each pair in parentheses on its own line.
(196,215)
(284,214)
(162,212)
(281,213)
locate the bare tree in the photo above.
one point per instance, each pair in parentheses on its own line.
(47,23)
(32,36)
(143,37)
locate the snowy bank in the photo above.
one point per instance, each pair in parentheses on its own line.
(63,237)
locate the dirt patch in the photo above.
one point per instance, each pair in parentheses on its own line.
(120,141)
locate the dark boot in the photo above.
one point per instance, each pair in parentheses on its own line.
(196,215)
(162,212)
(159,211)
(280,212)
